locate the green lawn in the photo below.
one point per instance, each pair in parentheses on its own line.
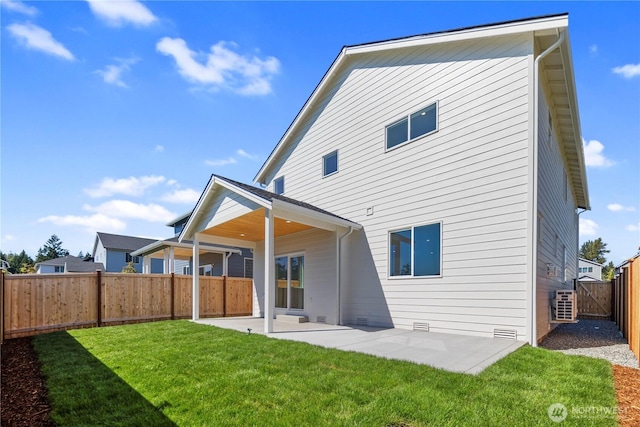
(180,373)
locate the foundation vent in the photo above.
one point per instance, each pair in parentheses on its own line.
(321,319)
(421,326)
(507,334)
(362,321)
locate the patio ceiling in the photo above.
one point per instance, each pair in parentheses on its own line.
(250,227)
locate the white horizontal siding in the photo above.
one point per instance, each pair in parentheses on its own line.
(471,175)
(320,274)
(559,225)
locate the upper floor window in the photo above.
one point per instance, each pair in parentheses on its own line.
(415,125)
(416,251)
(129,258)
(59,269)
(278,185)
(330,163)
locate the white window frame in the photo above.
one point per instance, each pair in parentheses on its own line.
(412,227)
(324,159)
(290,255)
(244,271)
(408,118)
(275,184)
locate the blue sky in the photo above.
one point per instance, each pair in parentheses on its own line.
(115,114)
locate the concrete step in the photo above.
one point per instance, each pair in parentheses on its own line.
(292,318)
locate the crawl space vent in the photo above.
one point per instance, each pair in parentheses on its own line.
(507,334)
(362,321)
(421,326)
(321,319)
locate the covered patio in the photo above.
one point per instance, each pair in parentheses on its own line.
(455,353)
(296,246)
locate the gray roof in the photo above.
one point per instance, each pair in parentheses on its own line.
(73,264)
(269,196)
(123,243)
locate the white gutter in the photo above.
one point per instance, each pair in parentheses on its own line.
(339,263)
(534,208)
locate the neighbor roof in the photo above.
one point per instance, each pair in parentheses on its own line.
(120,242)
(73,264)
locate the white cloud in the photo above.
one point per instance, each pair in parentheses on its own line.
(131,186)
(617,207)
(593,155)
(628,71)
(90,223)
(127,209)
(117,13)
(221,162)
(588,227)
(593,50)
(186,196)
(112,73)
(38,38)
(243,153)
(221,67)
(9,237)
(633,227)
(172,182)
(159,149)
(19,7)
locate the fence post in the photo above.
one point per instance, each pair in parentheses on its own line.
(2,307)
(224,296)
(99,297)
(173,296)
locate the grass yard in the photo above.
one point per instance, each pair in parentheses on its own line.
(180,373)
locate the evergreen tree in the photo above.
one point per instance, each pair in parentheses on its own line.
(608,271)
(52,249)
(594,250)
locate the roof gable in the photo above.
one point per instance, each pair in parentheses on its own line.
(123,243)
(539,24)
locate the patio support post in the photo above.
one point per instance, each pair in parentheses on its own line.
(165,263)
(269,273)
(195,274)
(146,264)
(172,262)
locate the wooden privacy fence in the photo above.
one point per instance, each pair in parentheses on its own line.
(626,303)
(39,303)
(595,300)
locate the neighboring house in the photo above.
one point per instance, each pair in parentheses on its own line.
(428,182)
(67,264)
(115,252)
(177,257)
(589,270)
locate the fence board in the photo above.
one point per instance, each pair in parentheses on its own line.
(594,299)
(34,304)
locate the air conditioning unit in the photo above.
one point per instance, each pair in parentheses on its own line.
(566,305)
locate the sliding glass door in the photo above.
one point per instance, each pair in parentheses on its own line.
(290,282)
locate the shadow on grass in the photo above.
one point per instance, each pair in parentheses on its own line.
(84,391)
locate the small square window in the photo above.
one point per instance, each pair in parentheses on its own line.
(397,133)
(330,164)
(278,185)
(423,121)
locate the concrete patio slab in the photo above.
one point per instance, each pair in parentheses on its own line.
(455,353)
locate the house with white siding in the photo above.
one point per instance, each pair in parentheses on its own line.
(589,271)
(430,182)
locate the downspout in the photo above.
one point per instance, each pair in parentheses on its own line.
(225,264)
(339,283)
(575,281)
(534,269)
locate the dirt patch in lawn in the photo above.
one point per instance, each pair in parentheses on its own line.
(24,394)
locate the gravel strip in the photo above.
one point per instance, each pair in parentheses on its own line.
(594,338)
